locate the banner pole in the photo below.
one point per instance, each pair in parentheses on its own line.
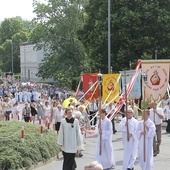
(99,109)
(144,76)
(127,125)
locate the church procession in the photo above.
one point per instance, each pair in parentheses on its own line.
(134,103)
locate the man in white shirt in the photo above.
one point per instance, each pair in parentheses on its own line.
(93,109)
(109,110)
(156,115)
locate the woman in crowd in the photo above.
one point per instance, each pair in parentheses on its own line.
(26,112)
(15,111)
(40,109)
(58,117)
(33,111)
(7,108)
(47,109)
(78,116)
(54,110)
(1,110)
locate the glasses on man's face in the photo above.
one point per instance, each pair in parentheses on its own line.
(129,112)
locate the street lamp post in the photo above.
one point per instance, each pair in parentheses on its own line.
(12,57)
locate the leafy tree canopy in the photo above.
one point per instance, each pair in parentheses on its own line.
(13,31)
(139,28)
(56,32)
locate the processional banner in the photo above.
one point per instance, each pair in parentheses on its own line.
(135,93)
(90,86)
(157,72)
(110,87)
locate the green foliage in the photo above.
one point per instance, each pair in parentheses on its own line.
(1,72)
(57,25)
(17,76)
(10,27)
(138,28)
(36,148)
(13,31)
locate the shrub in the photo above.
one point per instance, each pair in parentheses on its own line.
(15,154)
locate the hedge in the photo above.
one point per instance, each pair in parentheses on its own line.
(15,154)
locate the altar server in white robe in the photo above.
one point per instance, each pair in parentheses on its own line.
(70,139)
(149,135)
(25,95)
(16,96)
(130,141)
(20,96)
(29,95)
(106,157)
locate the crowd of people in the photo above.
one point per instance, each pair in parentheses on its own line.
(70,122)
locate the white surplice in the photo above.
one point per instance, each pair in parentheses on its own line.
(148,163)
(131,146)
(69,136)
(106,159)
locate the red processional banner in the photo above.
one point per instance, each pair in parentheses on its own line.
(90,86)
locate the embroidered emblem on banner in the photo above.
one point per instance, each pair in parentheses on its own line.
(110,86)
(158,77)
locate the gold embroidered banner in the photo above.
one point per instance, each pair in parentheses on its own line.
(157,72)
(111,87)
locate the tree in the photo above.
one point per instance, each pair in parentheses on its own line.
(57,25)
(12,33)
(138,28)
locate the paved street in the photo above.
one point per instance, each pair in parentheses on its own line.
(161,162)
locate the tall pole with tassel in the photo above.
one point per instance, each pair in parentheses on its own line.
(127,126)
(99,110)
(144,76)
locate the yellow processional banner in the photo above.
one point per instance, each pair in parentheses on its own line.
(110,91)
(157,72)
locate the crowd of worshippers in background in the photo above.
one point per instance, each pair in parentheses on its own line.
(40,105)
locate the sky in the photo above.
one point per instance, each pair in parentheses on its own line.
(13,8)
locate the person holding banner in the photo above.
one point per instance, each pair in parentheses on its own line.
(130,146)
(106,157)
(93,109)
(110,107)
(156,115)
(149,133)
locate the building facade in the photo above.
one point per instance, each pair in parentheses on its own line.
(29,60)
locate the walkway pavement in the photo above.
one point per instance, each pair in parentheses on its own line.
(161,162)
